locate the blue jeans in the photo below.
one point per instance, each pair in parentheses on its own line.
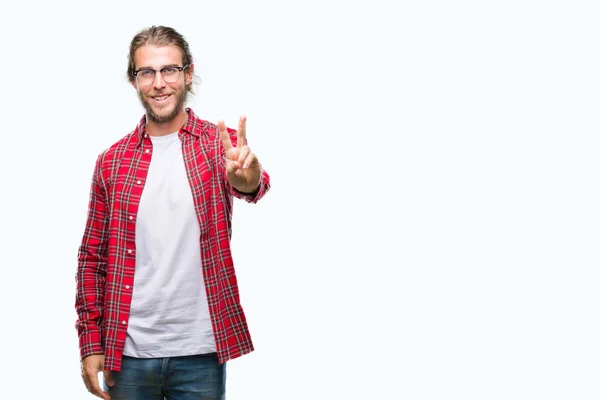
(198,377)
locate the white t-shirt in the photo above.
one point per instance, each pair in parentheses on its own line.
(169,314)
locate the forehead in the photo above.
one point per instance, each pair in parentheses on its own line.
(156,56)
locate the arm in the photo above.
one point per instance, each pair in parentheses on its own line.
(91,269)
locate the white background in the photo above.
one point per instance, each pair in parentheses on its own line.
(433,225)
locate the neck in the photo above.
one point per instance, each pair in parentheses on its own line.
(164,128)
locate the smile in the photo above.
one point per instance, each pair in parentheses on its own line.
(161,98)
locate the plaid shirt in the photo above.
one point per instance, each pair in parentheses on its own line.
(106,257)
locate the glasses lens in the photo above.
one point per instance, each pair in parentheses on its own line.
(145,77)
(170,75)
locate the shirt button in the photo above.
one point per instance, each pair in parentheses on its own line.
(145,135)
(139,182)
(124,322)
(147,150)
(130,251)
(131,217)
(127,286)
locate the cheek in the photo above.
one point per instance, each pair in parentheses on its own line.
(178,87)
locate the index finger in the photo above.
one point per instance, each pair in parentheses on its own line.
(224,136)
(241,133)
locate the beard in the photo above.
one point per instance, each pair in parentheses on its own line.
(164,114)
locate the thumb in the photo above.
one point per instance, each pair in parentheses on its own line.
(108,378)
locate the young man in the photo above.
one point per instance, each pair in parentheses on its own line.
(157,298)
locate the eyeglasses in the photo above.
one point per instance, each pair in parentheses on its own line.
(170,74)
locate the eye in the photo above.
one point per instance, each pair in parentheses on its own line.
(146,73)
(169,70)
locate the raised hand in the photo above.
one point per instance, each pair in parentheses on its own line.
(243,169)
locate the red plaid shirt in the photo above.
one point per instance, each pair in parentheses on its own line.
(106,257)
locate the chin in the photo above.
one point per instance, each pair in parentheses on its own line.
(163,114)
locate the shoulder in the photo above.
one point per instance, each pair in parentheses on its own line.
(129,141)
(116,149)
(107,162)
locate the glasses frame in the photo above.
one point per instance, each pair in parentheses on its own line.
(135,73)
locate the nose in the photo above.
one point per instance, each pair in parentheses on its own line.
(159,82)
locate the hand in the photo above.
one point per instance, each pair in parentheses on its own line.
(243,169)
(90,367)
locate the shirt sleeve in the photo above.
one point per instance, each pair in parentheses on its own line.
(263,188)
(91,269)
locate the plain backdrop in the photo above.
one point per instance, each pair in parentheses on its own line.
(433,224)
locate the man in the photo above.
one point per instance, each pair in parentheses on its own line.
(157,298)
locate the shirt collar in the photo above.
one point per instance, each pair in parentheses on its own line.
(192,126)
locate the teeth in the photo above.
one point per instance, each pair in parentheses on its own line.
(160,98)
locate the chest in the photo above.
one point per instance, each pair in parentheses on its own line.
(160,175)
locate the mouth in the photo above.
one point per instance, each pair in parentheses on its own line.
(161,98)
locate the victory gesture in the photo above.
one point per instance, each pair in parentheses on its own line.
(243,169)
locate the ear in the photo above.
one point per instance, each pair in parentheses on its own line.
(133,83)
(189,74)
